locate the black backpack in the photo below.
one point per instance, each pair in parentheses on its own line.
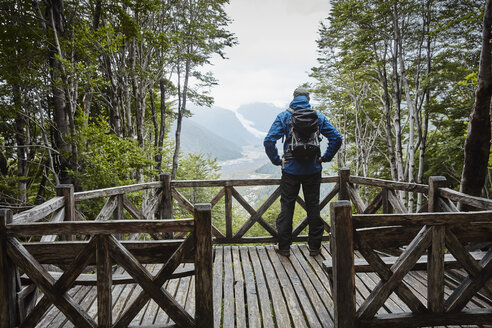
(304,138)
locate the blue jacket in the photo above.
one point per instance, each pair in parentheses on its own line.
(280,128)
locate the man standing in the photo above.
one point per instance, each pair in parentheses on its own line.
(297,172)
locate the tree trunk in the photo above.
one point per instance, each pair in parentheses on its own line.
(21,137)
(181,109)
(477,143)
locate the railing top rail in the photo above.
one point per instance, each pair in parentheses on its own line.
(397,185)
(415,219)
(99,227)
(457,196)
(40,211)
(91,194)
(237,182)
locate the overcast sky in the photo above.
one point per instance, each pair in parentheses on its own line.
(275,53)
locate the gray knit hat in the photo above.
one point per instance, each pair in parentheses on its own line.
(301,91)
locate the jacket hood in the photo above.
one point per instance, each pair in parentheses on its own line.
(300,102)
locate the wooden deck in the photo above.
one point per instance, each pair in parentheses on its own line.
(254,287)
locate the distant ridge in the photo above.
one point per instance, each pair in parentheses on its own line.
(261,114)
(195,138)
(223,123)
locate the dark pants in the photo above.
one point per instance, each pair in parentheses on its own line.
(289,189)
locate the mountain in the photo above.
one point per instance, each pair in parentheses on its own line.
(195,138)
(223,123)
(261,115)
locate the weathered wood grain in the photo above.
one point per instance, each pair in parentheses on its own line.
(435,271)
(410,320)
(91,227)
(395,185)
(218,270)
(342,244)
(133,210)
(104,274)
(203,266)
(228,211)
(375,204)
(356,199)
(107,192)
(108,209)
(262,288)
(343,192)
(254,318)
(239,285)
(182,200)
(63,253)
(7,276)
(419,219)
(166,203)
(228,304)
(41,211)
(457,196)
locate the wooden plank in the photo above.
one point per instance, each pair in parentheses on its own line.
(241,321)
(282,318)
(387,208)
(361,265)
(166,202)
(101,227)
(108,192)
(435,271)
(356,199)
(342,244)
(182,200)
(404,264)
(45,282)
(228,304)
(63,253)
(39,212)
(304,275)
(395,202)
(375,204)
(470,286)
(108,209)
(262,288)
(217,197)
(104,273)
(411,187)
(295,296)
(217,285)
(182,293)
(144,279)
(163,274)
(203,265)
(457,196)
(410,320)
(263,208)
(321,299)
(254,318)
(228,211)
(172,288)
(419,219)
(133,210)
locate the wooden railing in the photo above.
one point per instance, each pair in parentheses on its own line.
(434,234)
(35,259)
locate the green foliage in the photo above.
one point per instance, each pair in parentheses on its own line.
(108,160)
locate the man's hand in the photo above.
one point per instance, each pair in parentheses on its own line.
(319,160)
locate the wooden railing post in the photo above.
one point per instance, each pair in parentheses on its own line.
(228,211)
(342,243)
(203,266)
(8,281)
(435,262)
(343,193)
(104,282)
(66,191)
(387,208)
(166,207)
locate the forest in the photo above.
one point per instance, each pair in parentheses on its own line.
(89,89)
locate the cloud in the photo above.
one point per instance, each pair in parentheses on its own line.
(276,51)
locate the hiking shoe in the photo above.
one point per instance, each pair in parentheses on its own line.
(283,252)
(314,252)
